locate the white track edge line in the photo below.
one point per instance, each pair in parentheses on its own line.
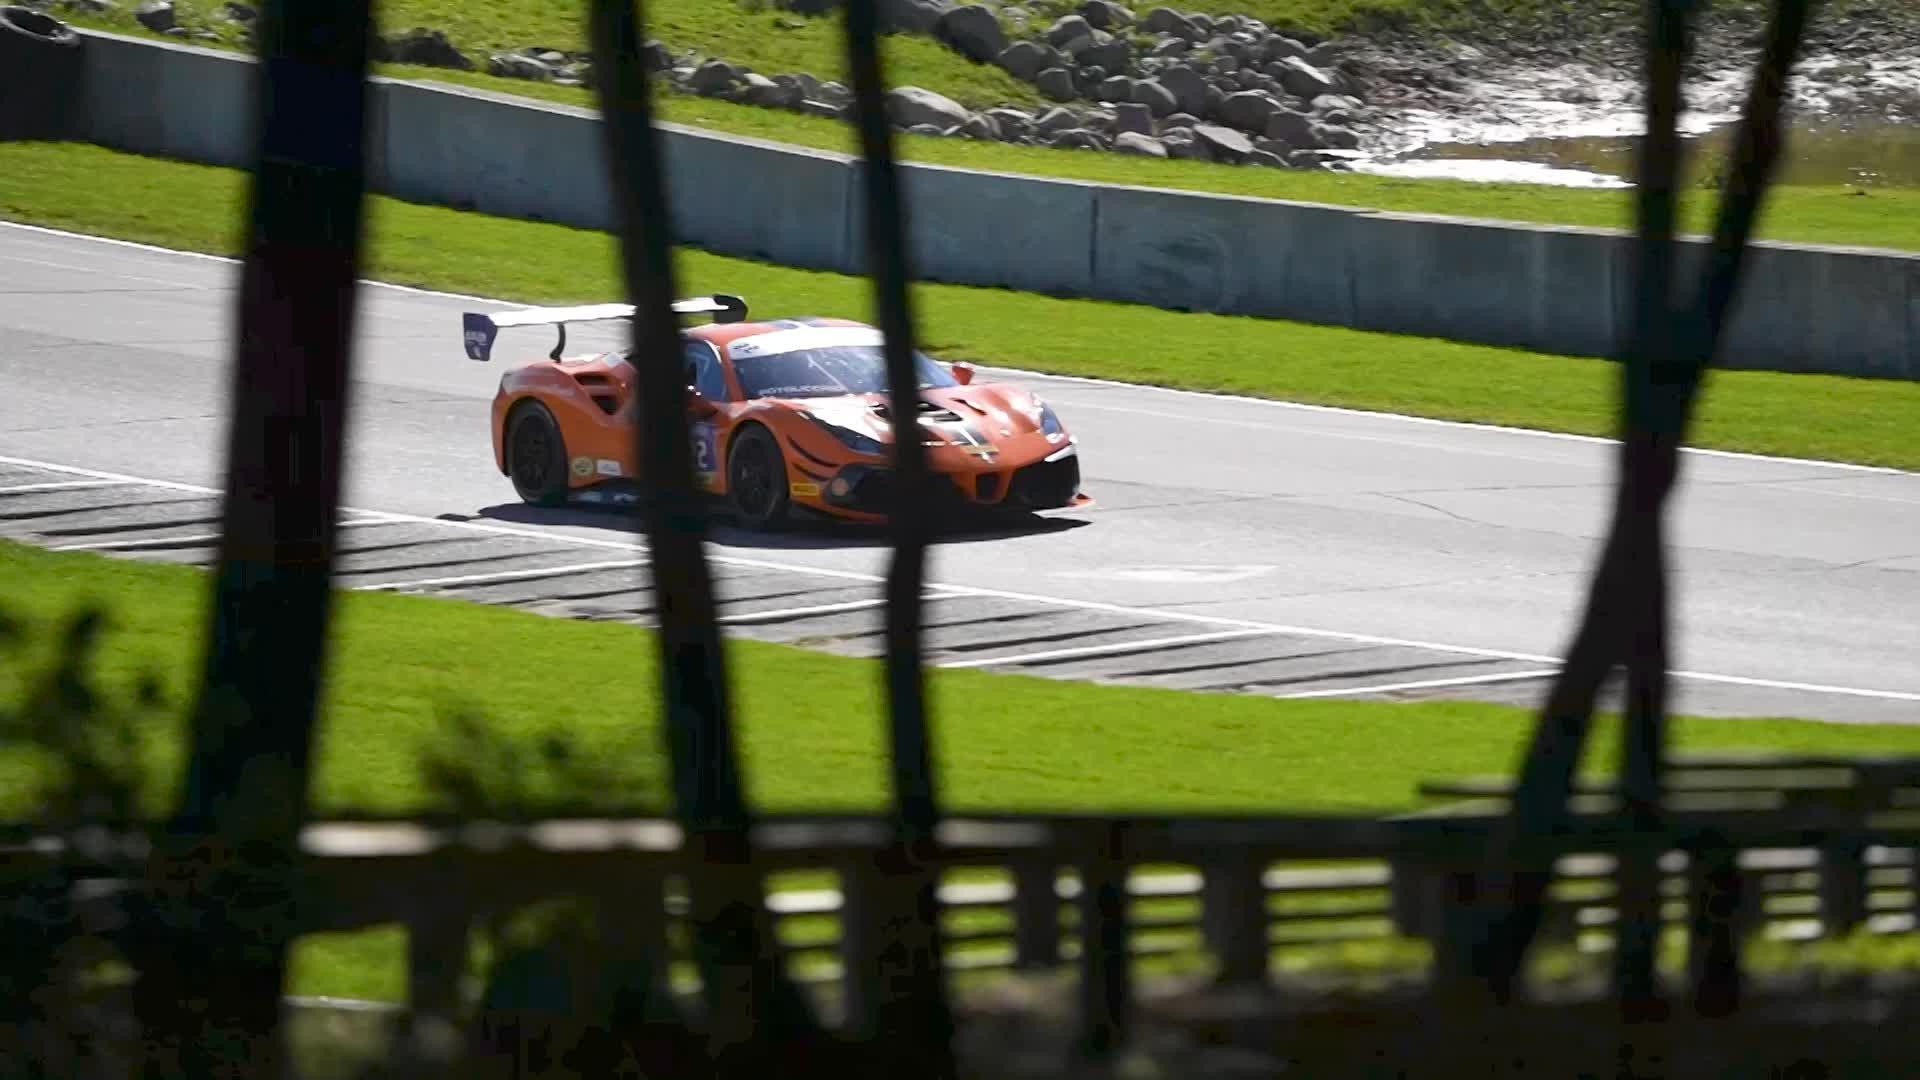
(1052,601)
(136,545)
(775,614)
(1424,684)
(1085,379)
(71,485)
(534,574)
(1118,648)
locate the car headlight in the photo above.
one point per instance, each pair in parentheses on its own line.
(1049,423)
(856,441)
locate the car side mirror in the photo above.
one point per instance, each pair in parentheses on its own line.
(699,405)
(962,371)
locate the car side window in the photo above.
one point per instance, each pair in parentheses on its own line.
(703,371)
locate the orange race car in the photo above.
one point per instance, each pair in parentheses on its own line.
(787,415)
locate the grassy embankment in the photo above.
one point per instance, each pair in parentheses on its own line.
(201,209)
(403,666)
(773,41)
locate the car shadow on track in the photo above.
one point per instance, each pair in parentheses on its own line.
(796,536)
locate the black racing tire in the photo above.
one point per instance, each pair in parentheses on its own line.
(757,479)
(42,83)
(536,455)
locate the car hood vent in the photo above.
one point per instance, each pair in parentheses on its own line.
(938,414)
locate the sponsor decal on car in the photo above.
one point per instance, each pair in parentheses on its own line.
(804,489)
(582,466)
(602,497)
(607,468)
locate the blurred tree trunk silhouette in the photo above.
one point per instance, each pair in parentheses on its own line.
(210,995)
(913,1022)
(1626,618)
(757,1018)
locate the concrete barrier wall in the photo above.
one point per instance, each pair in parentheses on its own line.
(1561,290)
(984,228)
(169,100)
(1223,254)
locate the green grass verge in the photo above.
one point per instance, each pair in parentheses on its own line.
(810,724)
(202,209)
(774,42)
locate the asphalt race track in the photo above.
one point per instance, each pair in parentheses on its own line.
(1236,545)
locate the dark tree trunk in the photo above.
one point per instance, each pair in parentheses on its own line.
(1626,617)
(753,1011)
(226,879)
(913,1018)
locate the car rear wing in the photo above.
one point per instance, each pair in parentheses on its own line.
(482,327)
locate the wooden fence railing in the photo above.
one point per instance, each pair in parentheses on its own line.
(1208,890)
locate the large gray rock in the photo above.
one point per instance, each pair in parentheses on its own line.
(1056,84)
(1188,88)
(713,78)
(980,127)
(909,106)
(1105,14)
(1155,97)
(1077,139)
(1133,142)
(428,48)
(1303,80)
(821,108)
(767,93)
(1171,46)
(517,66)
(1116,88)
(155,15)
(1338,138)
(972,31)
(1129,116)
(1248,110)
(1294,129)
(1183,145)
(1282,47)
(1270,160)
(1110,54)
(1069,31)
(910,16)
(1165,20)
(1055,119)
(1223,143)
(1025,60)
(1100,120)
(1215,98)
(834,93)
(1012,122)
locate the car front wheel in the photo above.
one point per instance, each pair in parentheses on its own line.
(757,479)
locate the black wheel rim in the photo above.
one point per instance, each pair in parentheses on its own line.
(531,454)
(753,479)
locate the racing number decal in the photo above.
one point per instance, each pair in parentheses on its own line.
(705,452)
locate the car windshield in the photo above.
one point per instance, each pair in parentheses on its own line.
(828,371)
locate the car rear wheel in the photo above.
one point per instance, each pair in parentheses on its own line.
(536,455)
(757,479)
